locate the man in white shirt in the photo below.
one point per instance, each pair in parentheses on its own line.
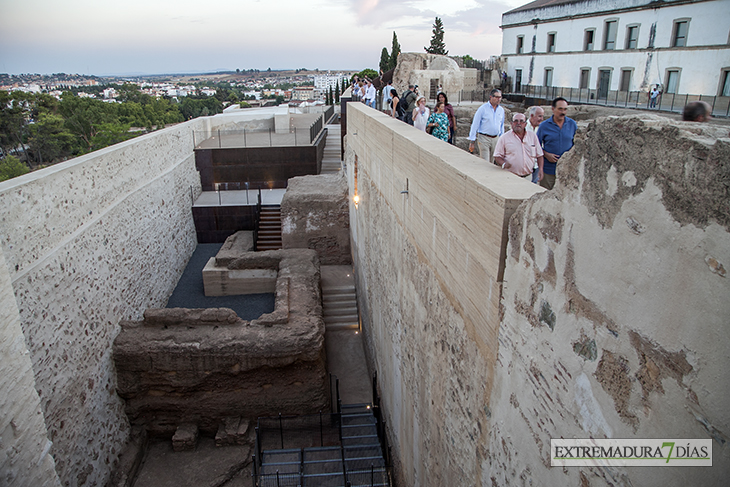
(370,93)
(487,126)
(536,114)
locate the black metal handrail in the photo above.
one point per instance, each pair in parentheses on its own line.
(316,128)
(666,102)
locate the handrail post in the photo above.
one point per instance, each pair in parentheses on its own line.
(281,431)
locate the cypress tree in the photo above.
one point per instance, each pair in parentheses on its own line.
(384,60)
(437,41)
(337,94)
(394,52)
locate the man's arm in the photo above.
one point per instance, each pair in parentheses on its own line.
(475,127)
(540,163)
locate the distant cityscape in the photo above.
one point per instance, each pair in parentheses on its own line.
(299,84)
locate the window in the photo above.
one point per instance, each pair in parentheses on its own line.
(548,77)
(520,44)
(632,37)
(518,80)
(585,78)
(609,39)
(551,42)
(588,39)
(725,82)
(625,80)
(672,83)
(679,35)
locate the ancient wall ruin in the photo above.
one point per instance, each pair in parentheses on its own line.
(429,238)
(315,215)
(612,317)
(197,366)
(615,305)
(86,243)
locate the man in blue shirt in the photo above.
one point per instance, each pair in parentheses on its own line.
(556,137)
(487,126)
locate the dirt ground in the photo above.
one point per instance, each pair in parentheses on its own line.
(207,466)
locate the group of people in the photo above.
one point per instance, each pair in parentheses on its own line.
(364,90)
(532,148)
(411,108)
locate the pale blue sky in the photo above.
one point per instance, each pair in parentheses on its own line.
(164,36)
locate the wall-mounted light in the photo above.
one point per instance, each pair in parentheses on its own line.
(356,200)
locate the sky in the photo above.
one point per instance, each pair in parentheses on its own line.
(103,37)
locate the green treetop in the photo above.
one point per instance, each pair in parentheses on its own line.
(437,41)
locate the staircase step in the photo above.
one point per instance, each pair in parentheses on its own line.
(349,311)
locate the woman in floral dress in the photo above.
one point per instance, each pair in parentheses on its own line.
(439,122)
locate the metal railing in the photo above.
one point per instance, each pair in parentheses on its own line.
(329,114)
(667,102)
(291,435)
(234,139)
(315,129)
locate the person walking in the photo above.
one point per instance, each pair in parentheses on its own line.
(487,126)
(449,111)
(519,149)
(556,137)
(420,114)
(439,122)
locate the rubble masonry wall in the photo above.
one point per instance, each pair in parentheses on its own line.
(86,243)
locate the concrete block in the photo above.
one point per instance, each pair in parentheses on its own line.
(185,437)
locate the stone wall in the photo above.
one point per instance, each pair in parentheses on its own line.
(315,215)
(429,242)
(89,242)
(612,321)
(25,459)
(615,306)
(200,366)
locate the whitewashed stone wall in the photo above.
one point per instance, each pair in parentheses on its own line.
(428,278)
(89,242)
(24,447)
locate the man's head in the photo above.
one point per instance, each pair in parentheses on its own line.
(495,96)
(560,109)
(518,123)
(537,114)
(411,87)
(697,111)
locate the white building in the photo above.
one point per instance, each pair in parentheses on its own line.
(323,82)
(624,45)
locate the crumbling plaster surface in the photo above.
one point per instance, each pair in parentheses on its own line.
(89,242)
(200,366)
(616,305)
(315,215)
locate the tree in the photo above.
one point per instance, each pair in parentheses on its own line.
(337,93)
(49,140)
(437,41)
(11,167)
(384,61)
(367,73)
(394,52)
